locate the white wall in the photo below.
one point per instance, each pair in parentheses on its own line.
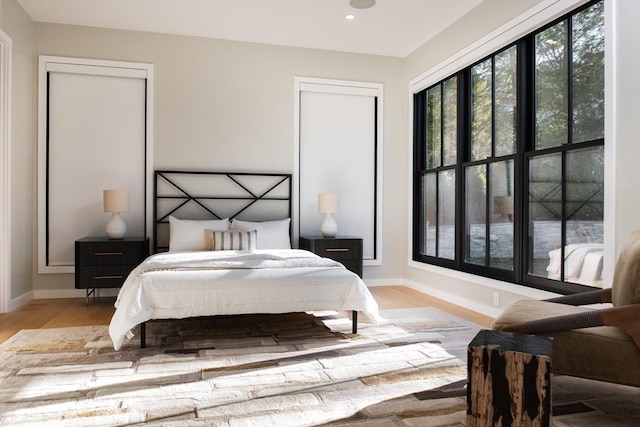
(479,22)
(622,127)
(224,105)
(17,24)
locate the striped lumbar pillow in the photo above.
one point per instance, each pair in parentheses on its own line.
(246,240)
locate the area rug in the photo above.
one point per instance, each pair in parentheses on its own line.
(297,369)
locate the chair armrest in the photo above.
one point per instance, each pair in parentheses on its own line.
(593,297)
(625,317)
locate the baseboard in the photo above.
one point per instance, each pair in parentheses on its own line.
(456,299)
(372,283)
(20,301)
(436,292)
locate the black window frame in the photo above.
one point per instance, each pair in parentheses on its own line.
(525,150)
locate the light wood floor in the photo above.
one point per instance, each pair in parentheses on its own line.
(60,313)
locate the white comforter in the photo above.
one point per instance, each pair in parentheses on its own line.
(190,284)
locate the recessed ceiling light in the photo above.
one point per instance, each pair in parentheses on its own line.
(350,17)
(362,4)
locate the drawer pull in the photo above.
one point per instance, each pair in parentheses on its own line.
(337,249)
(108,253)
(107,277)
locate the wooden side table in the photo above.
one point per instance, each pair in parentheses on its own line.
(509,379)
(347,250)
(105,263)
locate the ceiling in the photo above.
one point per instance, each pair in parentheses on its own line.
(391,27)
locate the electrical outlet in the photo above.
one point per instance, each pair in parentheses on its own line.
(496,299)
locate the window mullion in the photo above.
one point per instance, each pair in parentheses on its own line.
(464,134)
(563,222)
(488,189)
(525,132)
(437,227)
(563,173)
(569,56)
(487,221)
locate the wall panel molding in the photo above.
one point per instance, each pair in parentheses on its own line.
(95,132)
(338,148)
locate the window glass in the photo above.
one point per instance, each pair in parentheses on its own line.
(551,87)
(588,74)
(447,214)
(430,209)
(434,126)
(450,121)
(505,102)
(501,224)
(481,110)
(545,214)
(476,214)
(584,216)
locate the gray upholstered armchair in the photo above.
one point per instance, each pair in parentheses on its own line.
(601,344)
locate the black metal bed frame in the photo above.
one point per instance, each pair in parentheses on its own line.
(246,196)
(183,196)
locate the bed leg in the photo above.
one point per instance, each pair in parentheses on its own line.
(143,335)
(354,319)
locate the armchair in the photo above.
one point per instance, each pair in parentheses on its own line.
(600,344)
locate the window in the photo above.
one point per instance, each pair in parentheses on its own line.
(509,160)
(439,180)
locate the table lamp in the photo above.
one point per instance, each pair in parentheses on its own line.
(116,201)
(328,205)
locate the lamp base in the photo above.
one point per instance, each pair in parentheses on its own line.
(329,227)
(116,228)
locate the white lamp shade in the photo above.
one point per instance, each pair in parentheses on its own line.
(328,203)
(116,200)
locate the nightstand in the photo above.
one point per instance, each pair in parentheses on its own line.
(346,250)
(105,263)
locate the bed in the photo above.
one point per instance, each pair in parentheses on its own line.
(222,245)
(582,263)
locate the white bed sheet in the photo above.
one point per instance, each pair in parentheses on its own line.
(168,294)
(582,263)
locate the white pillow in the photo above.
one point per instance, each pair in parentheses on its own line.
(271,234)
(191,235)
(243,240)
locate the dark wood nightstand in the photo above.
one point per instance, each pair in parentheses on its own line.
(346,250)
(105,263)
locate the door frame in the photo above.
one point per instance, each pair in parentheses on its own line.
(5,172)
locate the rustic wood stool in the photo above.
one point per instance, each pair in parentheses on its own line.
(509,380)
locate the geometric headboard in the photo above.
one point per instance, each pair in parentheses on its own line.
(216,195)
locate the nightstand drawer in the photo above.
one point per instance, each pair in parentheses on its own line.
(346,250)
(106,263)
(115,252)
(112,276)
(338,248)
